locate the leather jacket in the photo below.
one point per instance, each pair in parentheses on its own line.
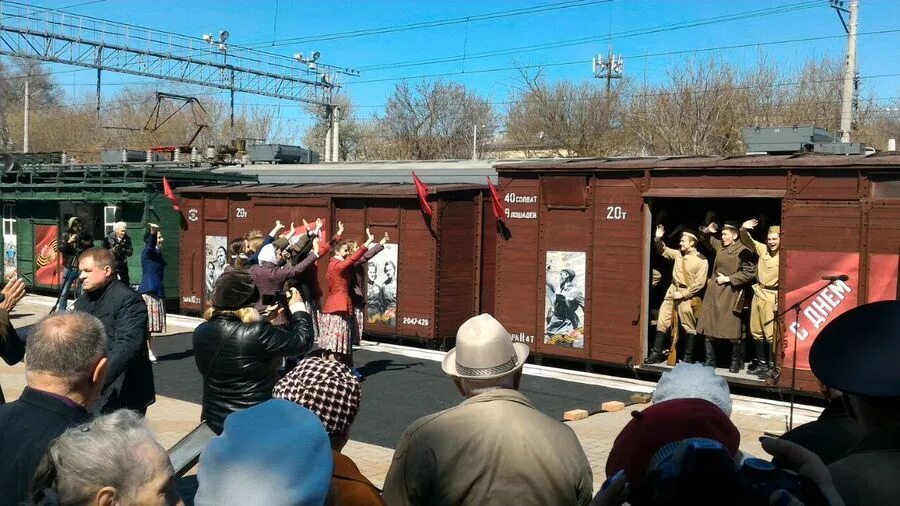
(245,370)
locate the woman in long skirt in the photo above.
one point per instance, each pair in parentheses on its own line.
(153,267)
(338,325)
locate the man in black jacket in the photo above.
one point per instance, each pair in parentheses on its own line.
(238,353)
(118,242)
(129,380)
(64,374)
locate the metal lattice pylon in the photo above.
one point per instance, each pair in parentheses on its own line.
(54,36)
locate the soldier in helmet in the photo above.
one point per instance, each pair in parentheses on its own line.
(688,278)
(765,295)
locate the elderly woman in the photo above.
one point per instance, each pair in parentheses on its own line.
(153,268)
(331,391)
(238,353)
(114,459)
(119,243)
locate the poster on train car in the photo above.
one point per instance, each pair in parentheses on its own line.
(564,312)
(216,259)
(804,273)
(381,287)
(10,258)
(48,268)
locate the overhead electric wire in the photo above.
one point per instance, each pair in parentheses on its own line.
(363,32)
(592,39)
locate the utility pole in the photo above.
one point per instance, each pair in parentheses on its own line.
(25,140)
(849,94)
(475,143)
(328,131)
(610,68)
(336,142)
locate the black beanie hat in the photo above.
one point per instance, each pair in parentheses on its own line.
(233,290)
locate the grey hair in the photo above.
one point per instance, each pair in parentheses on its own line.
(479,386)
(65,346)
(120,224)
(106,452)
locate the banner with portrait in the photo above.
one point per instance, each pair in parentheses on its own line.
(381,287)
(48,261)
(564,311)
(216,260)
(10,258)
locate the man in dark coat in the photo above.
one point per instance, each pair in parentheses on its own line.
(64,374)
(833,434)
(856,353)
(733,269)
(129,381)
(12,349)
(118,242)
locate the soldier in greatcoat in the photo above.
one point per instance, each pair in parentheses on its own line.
(688,278)
(765,295)
(733,269)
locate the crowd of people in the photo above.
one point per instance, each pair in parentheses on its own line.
(281,395)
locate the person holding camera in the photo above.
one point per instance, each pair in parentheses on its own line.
(73,244)
(239,353)
(118,242)
(270,274)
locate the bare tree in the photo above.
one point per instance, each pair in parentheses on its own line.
(352,142)
(433,120)
(566,118)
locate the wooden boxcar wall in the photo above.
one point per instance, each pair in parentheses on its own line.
(436,255)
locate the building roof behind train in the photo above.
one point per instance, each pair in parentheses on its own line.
(389,171)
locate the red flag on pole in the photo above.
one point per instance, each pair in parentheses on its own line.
(422,190)
(169,194)
(499,210)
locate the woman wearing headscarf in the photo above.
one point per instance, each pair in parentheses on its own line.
(271,273)
(238,353)
(153,268)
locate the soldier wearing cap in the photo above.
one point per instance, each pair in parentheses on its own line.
(688,278)
(856,353)
(765,294)
(733,269)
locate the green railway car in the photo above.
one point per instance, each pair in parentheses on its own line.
(37,200)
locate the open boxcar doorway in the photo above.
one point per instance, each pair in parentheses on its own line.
(689,214)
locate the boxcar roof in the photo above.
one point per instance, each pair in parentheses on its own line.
(878,161)
(430,171)
(368,190)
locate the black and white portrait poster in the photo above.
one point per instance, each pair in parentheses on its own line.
(381,287)
(564,316)
(216,259)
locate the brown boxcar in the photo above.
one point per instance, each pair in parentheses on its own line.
(583,229)
(437,260)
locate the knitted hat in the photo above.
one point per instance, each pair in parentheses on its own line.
(327,388)
(694,381)
(275,453)
(234,289)
(664,423)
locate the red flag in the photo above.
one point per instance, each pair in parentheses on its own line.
(169,194)
(422,190)
(499,210)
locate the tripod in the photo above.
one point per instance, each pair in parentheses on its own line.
(796,309)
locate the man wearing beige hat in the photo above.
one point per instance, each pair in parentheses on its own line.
(494,447)
(765,294)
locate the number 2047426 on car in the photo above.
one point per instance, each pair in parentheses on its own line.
(422,322)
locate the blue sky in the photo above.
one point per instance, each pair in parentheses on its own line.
(252,22)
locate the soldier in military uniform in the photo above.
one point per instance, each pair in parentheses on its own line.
(765,295)
(733,269)
(688,277)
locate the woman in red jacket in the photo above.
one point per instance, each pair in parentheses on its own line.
(338,323)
